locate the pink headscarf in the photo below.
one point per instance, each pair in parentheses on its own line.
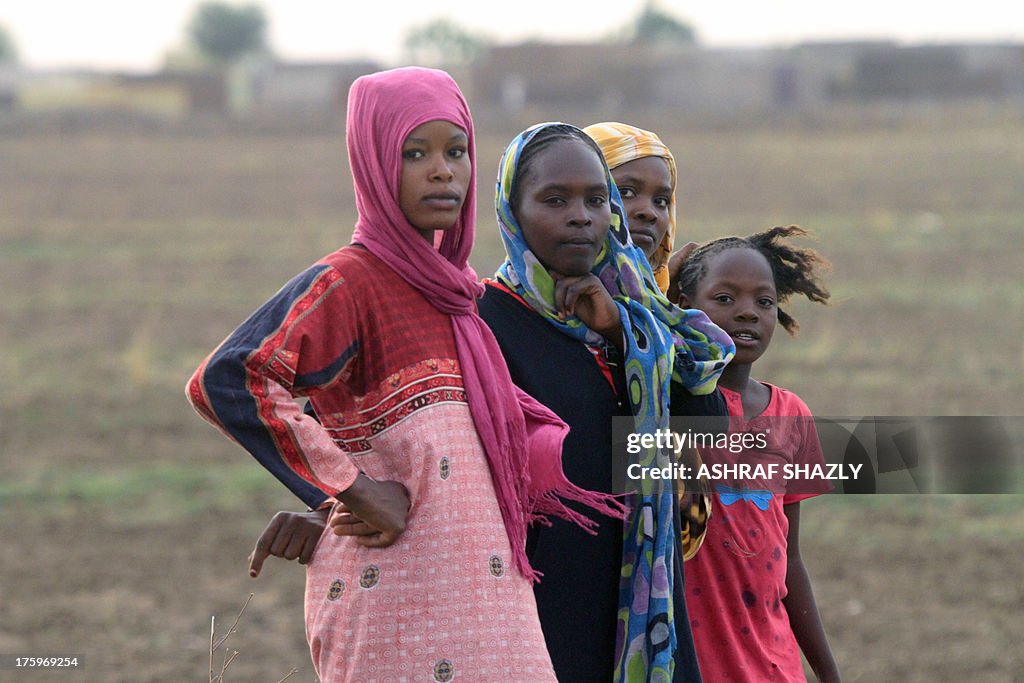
(383,108)
(522,438)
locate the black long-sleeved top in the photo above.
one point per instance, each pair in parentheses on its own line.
(578,596)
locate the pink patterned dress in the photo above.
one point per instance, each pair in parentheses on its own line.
(379,364)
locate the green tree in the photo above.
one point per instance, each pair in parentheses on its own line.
(225,33)
(655,25)
(8,51)
(442,42)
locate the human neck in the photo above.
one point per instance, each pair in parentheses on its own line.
(736,377)
(754,396)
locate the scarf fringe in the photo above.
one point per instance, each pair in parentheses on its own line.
(550,504)
(537,507)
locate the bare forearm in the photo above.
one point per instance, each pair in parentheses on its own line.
(806,623)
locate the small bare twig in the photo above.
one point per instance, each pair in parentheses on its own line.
(231,630)
(226,664)
(228,658)
(213,621)
(290,674)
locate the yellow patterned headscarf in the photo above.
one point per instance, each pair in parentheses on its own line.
(622,143)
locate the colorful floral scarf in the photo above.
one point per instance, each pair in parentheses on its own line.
(622,143)
(663,341)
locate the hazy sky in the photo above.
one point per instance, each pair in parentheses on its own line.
(135,34)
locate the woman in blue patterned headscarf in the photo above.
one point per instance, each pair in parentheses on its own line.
(609,300)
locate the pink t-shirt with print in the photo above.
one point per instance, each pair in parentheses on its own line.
(736,582)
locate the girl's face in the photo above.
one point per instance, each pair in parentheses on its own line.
(646,188)
(563,207)
(436,173)
(738,293)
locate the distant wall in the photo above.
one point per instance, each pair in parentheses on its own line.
(545,81)
(727,82)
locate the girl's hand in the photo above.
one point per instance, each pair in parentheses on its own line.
(373,511)
(585,297)
(289,535)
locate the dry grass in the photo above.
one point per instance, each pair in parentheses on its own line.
(125,258)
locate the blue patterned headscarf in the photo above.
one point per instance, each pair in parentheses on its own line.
(662,342)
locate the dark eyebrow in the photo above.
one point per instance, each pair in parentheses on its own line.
(565,188)
(457,137)
(553,186)
(769,288)
(632,179)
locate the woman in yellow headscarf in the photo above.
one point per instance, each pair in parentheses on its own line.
(645,172)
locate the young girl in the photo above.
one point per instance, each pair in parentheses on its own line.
(422,434)
(751,606)
(586,331)
(644,171)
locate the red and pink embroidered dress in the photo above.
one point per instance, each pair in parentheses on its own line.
(379,364)
(384,340)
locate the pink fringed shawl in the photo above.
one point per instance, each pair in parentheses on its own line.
(522,438)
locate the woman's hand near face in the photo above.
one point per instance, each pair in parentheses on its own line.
(585,297)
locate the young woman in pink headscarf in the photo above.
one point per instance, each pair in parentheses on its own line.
(441,461)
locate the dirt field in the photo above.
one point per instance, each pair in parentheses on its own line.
(124,258)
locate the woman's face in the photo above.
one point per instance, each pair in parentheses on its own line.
(563,207)
(436,173)
(646,188)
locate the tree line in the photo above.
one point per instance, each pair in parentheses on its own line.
(222,34)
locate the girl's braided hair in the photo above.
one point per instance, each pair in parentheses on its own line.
(796,270)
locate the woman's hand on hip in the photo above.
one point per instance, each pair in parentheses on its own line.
(375,512)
